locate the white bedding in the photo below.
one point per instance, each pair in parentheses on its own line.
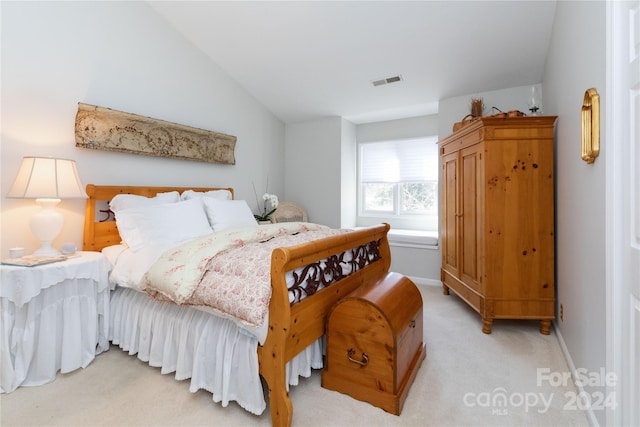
(129,267)
(216,353)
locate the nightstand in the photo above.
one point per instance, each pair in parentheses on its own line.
(55,317)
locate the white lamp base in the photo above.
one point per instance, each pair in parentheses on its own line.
(46,251)
(46,226)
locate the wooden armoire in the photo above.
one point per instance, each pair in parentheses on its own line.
(497,225)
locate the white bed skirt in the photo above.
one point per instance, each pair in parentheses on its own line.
(213,352)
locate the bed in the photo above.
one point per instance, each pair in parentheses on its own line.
(291,328)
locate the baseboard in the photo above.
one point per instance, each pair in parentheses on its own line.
(572,368)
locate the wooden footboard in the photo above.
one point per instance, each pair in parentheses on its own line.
(292,327)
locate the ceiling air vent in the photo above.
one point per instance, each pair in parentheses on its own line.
(386,81)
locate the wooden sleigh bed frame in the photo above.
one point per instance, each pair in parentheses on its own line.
(292,327)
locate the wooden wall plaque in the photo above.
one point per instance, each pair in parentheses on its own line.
(103,128)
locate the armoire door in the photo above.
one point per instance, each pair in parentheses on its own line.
(471,196)
(449,221)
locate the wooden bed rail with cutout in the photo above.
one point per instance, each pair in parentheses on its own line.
(293,327)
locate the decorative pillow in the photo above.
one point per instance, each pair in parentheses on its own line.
(214,194)
(129,201)
(228,213)
(167,223)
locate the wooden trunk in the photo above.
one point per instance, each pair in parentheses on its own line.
(375,342)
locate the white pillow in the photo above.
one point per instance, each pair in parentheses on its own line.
(215,194)
(228,213)
(168,223)
(129,201)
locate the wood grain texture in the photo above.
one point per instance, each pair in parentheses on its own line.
(380,326)
(103,128)
(498,218)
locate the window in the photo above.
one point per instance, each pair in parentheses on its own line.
(398,183)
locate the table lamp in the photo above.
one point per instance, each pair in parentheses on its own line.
(47,180)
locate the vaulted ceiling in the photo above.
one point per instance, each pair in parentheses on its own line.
(306,60)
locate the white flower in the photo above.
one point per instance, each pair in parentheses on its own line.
(270,203)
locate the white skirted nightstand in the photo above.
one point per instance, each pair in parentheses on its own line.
(55,317)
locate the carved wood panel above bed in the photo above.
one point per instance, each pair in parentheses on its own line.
(103,128)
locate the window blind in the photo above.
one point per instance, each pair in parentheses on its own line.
(409,160)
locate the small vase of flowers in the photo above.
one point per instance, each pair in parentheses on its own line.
(269,205)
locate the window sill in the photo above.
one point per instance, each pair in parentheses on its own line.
(412,238)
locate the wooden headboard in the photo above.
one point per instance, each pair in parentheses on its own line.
(100,234)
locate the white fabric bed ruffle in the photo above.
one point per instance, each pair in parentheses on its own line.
(213,352)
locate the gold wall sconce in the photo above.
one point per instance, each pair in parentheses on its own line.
(590,125)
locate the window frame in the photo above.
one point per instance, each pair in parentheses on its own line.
(397,219)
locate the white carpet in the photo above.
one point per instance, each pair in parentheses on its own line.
(461,382)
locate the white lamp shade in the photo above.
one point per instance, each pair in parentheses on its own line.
(47,178)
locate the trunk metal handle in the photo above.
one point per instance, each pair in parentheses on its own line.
(363,362)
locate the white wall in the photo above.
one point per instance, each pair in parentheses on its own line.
(348,184)
(452,110)
(576,62)
(413,127)
(312,174)
(120,55)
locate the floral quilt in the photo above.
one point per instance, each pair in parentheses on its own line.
(228,271)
